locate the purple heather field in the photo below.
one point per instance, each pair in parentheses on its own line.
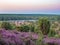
(8,37)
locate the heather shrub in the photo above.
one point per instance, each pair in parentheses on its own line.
(6,25)
(40,36)
(14,37)
(36,29)
(51,41)
(23,28)
(52,33)
(31,27)
(49,44)
(57,36)
(13,26)
(0,24)
(44,25)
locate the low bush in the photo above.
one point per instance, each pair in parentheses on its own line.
(6,25)
(52,33)
(25,28)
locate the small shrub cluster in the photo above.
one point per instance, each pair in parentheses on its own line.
(52,33)
(6,25)
(25,28)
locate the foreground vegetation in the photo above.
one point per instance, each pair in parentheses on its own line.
(42,32)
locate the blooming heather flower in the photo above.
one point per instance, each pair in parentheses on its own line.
(9,37)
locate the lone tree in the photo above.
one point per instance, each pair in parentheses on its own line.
(44,25)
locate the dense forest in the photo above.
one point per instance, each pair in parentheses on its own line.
(27,16)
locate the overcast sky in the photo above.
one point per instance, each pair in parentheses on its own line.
(30,6)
